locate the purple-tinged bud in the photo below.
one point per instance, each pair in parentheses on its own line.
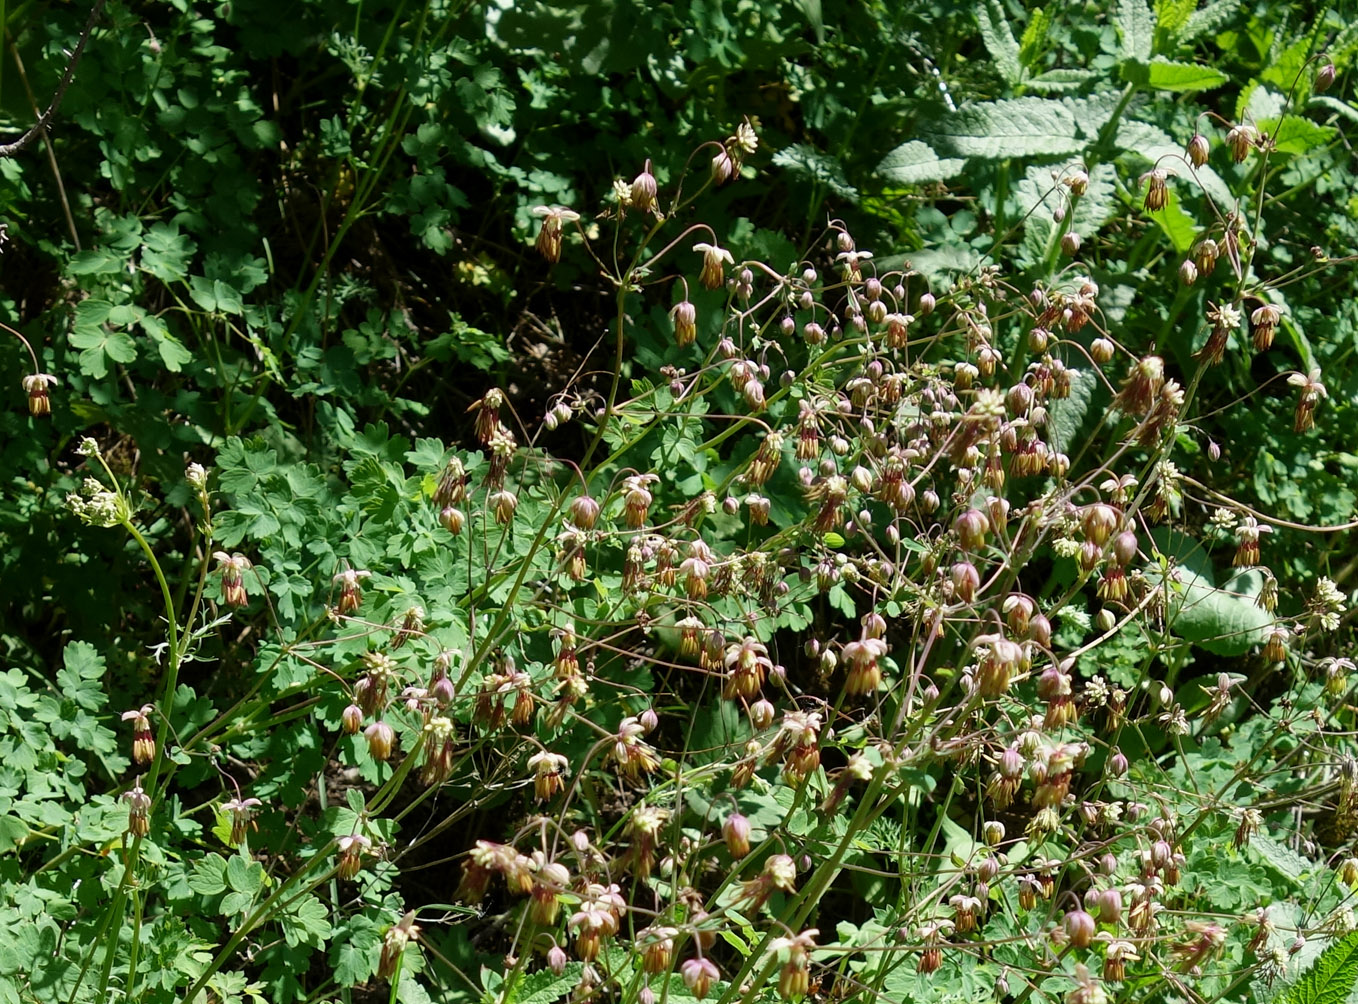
(381,737)
(723,167)
(971,528)
(557,959)
(1099,522)
(584,512)
(452,520)
(761,714)
(1324,78)
(1188,272)
(1118,764)
(1011,764)
(1110,906)
(1124,547)
(1070,242)
(352,719)
(735,830)
(1198,150)
(685,318)
(644,189)
(1079,927)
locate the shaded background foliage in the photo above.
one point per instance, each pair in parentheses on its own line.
(331,203)
(285,222)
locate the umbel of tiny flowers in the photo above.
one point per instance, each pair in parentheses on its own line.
(96,505)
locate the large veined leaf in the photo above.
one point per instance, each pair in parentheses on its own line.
(999,41)
(1166,75)
(1297,135)
(1156,146)
(1331,979)
(1225,620)
(1019,127)
(1066,416)
(1172,15)
(808,162)
(1209,18)
(1061,80)
(1137,29)
(1092,211)
(916,163)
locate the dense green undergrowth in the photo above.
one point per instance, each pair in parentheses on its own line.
(510,502)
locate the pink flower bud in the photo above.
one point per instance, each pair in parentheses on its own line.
(735,830)
(352,719)
(381,737)
(1079,927)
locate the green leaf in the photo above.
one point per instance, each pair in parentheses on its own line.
(1297,135)
(916,163)
(1331,979)
(545,987)
(1066,416)
(1136,29)
(1165,75)
(808,162)
(1172,15)
(355,949)
(208,877)
(1019,127)
(999,40)
(307,923)
(1061,80)
(1035,36)
(1178,225)
(173,354)
(1209,18)
(98,261)
(1225,620)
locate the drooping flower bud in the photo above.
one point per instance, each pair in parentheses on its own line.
(35,386)
(713,275)
(394,945)
(1198,150)
(143,741)
(138,810)
(685,317)
(644,190)
(381,738)
(735,830)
